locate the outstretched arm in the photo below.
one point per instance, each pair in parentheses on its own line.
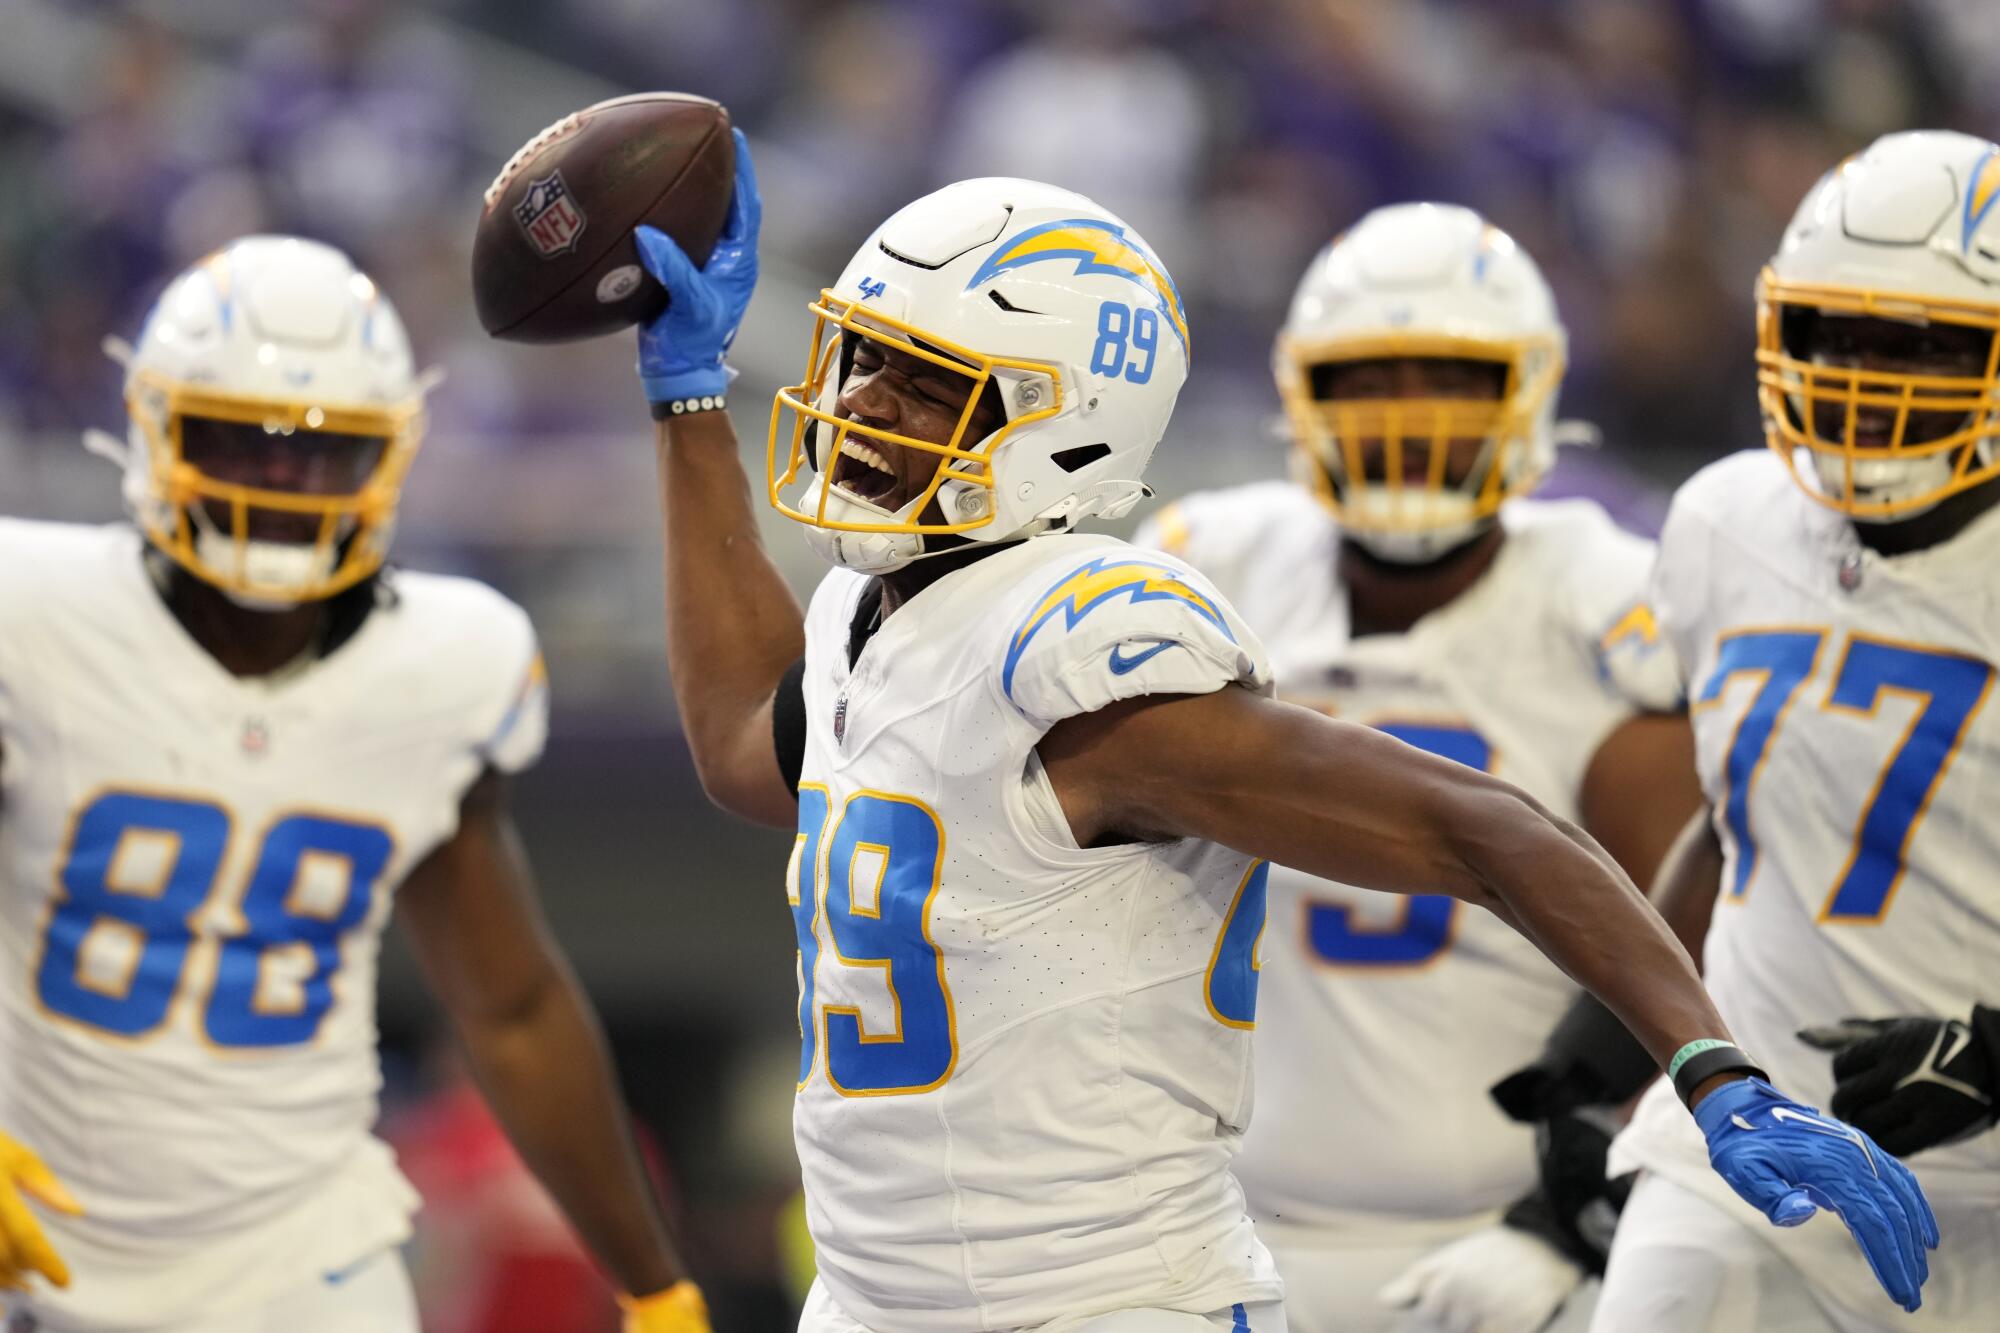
(472,917)
(733,626)
(1351,804)
(1347,803)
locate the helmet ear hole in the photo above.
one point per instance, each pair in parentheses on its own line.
(1080,457)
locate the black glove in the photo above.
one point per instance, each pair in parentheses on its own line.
(1575,1207)
(1914,1083)
(1590,1060)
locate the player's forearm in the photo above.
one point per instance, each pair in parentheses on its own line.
(733,626)
(547,1076)
(1565,893)
(1352,805)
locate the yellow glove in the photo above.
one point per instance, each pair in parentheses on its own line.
(678,1309)
(23,1247)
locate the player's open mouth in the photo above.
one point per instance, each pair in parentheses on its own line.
(862,471)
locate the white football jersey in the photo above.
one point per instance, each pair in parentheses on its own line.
(1387,1018)
(1025,1064)
(1844,738)
(194,874)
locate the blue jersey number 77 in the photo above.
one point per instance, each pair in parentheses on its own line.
(1948,689)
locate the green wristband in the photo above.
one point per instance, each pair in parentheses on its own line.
(1691,1050)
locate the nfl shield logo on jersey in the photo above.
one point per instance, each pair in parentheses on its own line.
(840,720)
(553,222)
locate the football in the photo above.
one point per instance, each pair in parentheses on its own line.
(554,259)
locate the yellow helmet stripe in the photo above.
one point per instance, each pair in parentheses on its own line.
(1097,247)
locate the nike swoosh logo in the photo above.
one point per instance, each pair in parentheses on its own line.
(1932,1068)
(1959,1038)
(1123,665)
(334,1277)
(1831,1128)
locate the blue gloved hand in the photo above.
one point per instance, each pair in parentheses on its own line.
(1788,1161)
(680,352)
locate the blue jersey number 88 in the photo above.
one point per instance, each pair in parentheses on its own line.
(188,839)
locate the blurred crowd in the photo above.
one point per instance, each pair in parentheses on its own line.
(1647,152)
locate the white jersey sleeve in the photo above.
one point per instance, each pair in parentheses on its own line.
(1120,623)
(1606,592)
(1677,592)
(520,727)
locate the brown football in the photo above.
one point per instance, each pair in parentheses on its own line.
(554,259)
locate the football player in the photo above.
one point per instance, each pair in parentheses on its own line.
(233,743)
(1021,762)
(1419,368)
(1830,601)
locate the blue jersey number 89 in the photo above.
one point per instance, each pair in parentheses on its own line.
(870,873)
(1424,930)
(187,839)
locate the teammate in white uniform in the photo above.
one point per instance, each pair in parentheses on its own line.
(1413,601)
(1831,602)
(1016,761)
(231,745)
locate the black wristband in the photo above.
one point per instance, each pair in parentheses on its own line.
(1698,1069)
(680,407)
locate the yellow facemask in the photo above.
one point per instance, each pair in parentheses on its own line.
(353,528)
(1330,433)
(1794,393)
(788,454)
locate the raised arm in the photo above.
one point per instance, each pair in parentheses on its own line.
(1347,803)
(733,626)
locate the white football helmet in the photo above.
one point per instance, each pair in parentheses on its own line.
(1908,231)
(1011,283)
(274,357)
(1421,281)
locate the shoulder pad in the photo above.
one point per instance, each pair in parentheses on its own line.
(1121,624)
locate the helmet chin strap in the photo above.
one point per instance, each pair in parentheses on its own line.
(887,552)
(1418,548)
(1889,479)
(274,567)
(1399,527)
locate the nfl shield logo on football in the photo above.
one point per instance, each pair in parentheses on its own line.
(546,213)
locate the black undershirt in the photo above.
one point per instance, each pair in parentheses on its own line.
(788,706)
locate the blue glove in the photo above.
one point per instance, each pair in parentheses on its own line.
(681,351)
(1788,1161)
